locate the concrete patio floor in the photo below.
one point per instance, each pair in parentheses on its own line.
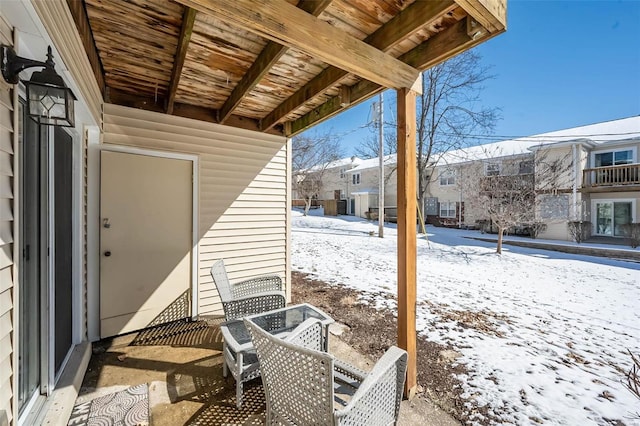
(182,364)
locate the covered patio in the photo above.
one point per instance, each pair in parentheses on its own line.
(180,364)
(198,99)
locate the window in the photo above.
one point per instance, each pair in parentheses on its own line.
(611,216)
(342,173)
(343,196)
(613,158)
(448,209)
(447,178)
(492,169)
(355,178)
(526,167)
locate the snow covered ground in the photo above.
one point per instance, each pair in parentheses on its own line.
(543,334)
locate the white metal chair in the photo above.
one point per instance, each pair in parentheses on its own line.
(305,386)
(248,297)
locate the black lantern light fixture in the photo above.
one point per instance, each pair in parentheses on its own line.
(49,100)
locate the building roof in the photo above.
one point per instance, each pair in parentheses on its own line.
(344,162)
(591,134)
(372,163)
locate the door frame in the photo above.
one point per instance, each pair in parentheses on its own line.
(195,171)
(48,375)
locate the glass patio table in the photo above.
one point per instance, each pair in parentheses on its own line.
(238,351)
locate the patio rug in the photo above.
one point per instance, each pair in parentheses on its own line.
(129,407)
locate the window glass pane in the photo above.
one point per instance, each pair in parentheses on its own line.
(604,159)
(604,218)
(623,157)
(493,169)
(621,217)
(526,167)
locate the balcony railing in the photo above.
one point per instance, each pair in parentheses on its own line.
(627,174)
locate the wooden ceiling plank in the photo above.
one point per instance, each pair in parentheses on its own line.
(285,24)
(415,17)
(188,18)
(433,51)
(271,53)
(79,13)
(408,22)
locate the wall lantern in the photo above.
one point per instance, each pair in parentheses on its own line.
(49,100)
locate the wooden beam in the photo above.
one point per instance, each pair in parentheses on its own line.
(442,46)
(210,115)
(280,21)
(418,15)
(359,92)
(491,14)
(433,51)
(407,234)
(188,19)
(271,53)
(80,17)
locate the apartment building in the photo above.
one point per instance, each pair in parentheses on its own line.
(597,179)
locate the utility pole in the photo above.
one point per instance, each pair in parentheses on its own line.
(381,161)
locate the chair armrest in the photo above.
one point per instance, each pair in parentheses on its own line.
(258,303)
(374,399)
(253,286)
(308,334)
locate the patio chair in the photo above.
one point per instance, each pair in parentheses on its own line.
(251,296)
(304,385)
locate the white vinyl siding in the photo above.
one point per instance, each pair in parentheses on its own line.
(243,191)
(6,238)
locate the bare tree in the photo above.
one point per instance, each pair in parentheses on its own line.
(370,146)
(448,111)
(516,191)
(311,156)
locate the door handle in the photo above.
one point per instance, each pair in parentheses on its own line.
(107,253)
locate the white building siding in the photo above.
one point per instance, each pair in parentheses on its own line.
(243,191)
(6,239)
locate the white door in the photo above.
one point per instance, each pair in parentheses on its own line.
(145,241)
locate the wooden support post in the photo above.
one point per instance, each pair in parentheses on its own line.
(407,233)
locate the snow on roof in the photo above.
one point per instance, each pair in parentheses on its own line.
(593,134)
(372,163)
(344,162)
(372,191)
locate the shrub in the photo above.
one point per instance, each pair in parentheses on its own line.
(579,230)
(632,230)
(536,228)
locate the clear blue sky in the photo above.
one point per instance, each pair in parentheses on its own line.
(560,64)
